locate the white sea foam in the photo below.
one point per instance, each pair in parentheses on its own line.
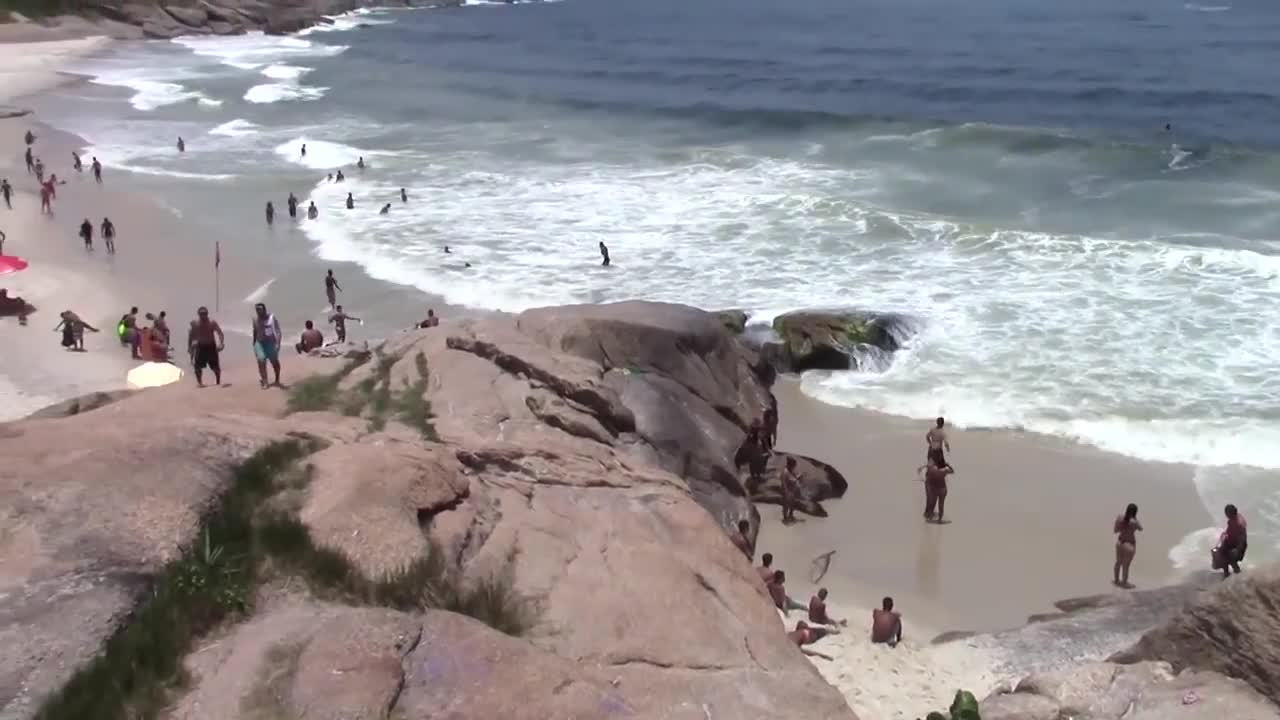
(1193,7)
(346,21)
(235,128)
(285,72)
(321,154)
(278,92)
(150,91)
(256,50)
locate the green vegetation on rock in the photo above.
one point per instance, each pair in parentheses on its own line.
(963,707)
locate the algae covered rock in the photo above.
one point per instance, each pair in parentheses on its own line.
(840,339)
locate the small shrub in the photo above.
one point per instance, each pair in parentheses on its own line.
(412,407)
(320,392)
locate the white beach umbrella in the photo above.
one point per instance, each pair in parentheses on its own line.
(154,374)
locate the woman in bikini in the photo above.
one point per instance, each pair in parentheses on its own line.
(1126,529)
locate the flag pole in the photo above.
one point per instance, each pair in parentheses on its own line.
(217,279)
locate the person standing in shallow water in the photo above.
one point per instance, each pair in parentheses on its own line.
(604,255)
(1126,529)
(271,213)
(304,149)
(293,206)
(312,211)
(351,202)
(182,145)
(404,196)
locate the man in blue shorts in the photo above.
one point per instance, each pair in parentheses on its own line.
(266,343)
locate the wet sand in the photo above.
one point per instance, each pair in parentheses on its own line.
(1030,519)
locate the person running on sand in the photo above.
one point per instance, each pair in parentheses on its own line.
(339,321)
(73,328)
(331,289)
(935,492)
(886,624)
(293,206)
(204,341)
(742,539)
(31,161)
(310,339)
(766,568)
(97,170)
(778,593)
(271,212)
(351,202)
(386,209)
(182,146)
(86,233)
(1126,528)
(604,255)
(1232,544)
(39,171)
(266,343)
(404,196)
(109,235)
(7,190)
(937,441)
(76,163)
(818,610)
(312,212)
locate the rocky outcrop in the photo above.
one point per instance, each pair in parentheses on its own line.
(818,482)
(584,453)
(1145,691)
(837,339)
(1233,629)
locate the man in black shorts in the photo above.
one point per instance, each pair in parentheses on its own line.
(205,340)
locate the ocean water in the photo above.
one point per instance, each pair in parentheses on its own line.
(1000,169)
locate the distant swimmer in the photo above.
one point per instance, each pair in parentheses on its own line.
(339,320)
(293,206)
(76,163)
(331,289)
(447,251)
(330,177)
(1168,127)
(312,211)
(604,254)
(271,212)
(339,177)
(97,170)
(360,162)
(304,149)
(404,196)
(182,145)
(386,209)
(351,202)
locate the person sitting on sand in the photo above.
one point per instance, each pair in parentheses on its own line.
(778,592)
(1126,528)
(742,539)
(937,441)
(886,625)
(430,321)
(339,321)
(935,492)
(310,339)
(766,568)
(1232,544)
(818,610)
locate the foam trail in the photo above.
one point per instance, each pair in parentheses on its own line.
(235,128)
(260,293)
(321,154)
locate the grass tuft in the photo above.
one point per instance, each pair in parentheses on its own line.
(412,407)
(320,392)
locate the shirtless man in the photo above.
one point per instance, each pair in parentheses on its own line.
(766,568)
(97,170)
(742,539)
(312,211)
(339,321)
(310,339)
(778,592)
(818,610)
(937,441)
(430,321)
(804,634)
(790,489)
(886,625)
(1233,542)
(935,491)
(86,233)
(331,289)
(293,206)
(205,341)
(109,235)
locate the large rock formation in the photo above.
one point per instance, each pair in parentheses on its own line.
(585,453)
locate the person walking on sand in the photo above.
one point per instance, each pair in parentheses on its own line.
(604,255)
(331,290)
(886,624)
(39,171)
(266,343)
(935,492)
(1126,529)
(351,202)
(204,342)
(937,441)
(293,207)
(86,233)
(271,213)
(790,490)
(312,211)
(182,146)
(7,190)
(31,161)
(97,170)
(1232,543)
(339,321)
(404,196)
(73,328)
(109,235)
(76,163)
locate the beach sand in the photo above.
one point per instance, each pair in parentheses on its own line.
(1030,518)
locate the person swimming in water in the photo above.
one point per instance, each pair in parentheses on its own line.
(386,209)
(360,162)
(339,177)
(604,254)
(404,196)
(351,202)
(312,211)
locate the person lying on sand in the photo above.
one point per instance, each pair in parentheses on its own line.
(778,592)
(742,539)
(766,569)
(886,625)
(806,635)
(818,610)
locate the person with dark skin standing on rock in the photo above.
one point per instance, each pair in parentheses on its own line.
(742,539)
(205,341)
(1126,529)
(886,624)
